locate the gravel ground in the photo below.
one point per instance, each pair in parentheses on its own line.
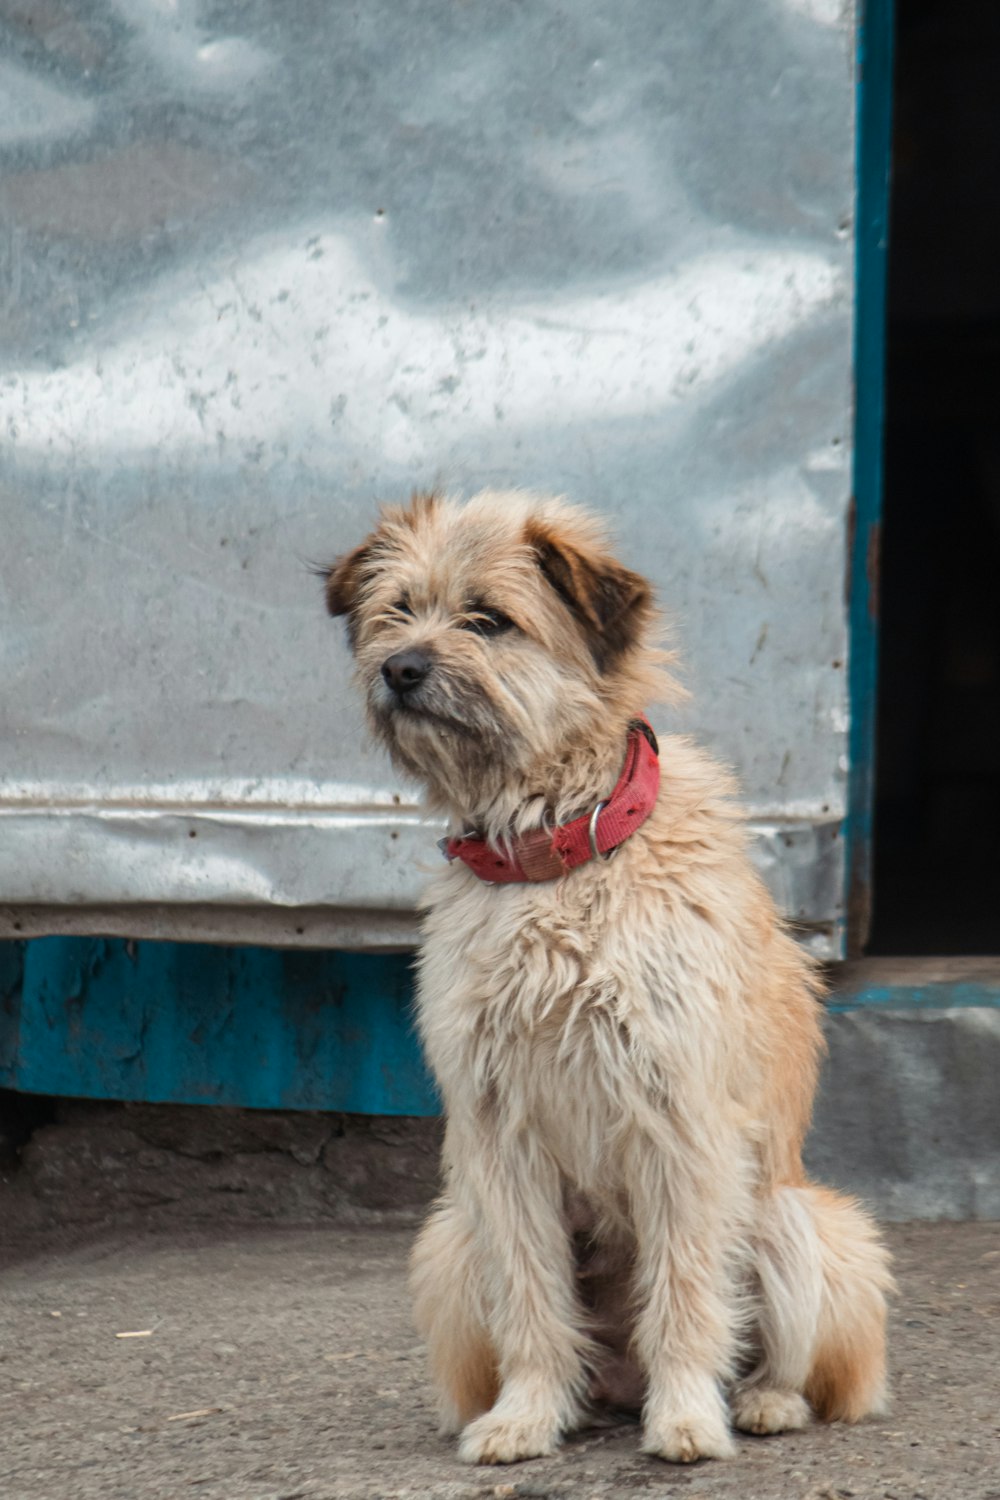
(280,1364)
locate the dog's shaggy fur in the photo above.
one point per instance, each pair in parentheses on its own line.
(627,1055)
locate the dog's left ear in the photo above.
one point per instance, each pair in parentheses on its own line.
(610,602)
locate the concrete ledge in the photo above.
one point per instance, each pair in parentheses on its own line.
(908,1115)
(96,1165)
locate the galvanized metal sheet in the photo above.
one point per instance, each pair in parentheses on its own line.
(262,266)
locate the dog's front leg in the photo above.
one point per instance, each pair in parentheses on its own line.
(513,1192)
(682,1203)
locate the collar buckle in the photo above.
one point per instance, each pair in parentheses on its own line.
(595,853)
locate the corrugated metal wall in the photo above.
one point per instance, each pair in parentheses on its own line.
(262,266)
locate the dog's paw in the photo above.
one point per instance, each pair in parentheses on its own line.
(683,1440)
(762,1411)
(498,1439)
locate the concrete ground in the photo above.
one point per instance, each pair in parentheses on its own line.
(270,1363)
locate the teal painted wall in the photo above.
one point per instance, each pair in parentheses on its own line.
(188,1023)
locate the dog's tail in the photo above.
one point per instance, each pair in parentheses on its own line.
(824,1277)
(847,1379)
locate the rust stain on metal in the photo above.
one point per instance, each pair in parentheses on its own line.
(873,559)
(859,908)
(873,567)
(851,531)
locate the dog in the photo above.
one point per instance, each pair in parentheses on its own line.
(625,1036)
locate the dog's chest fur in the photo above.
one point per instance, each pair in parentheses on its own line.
(563,1009)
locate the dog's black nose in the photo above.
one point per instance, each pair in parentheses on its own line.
(405,671)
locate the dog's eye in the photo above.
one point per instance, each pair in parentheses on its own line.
(487,621)
(401,607)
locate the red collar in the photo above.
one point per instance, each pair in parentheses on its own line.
(546,854)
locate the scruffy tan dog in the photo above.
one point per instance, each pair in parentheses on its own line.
(624,1035)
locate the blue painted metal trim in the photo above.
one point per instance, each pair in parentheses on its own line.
(942,995)
(874,139)
(193,1024)
(11,988)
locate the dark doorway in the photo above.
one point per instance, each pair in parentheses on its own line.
(937,828)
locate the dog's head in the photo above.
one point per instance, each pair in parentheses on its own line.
(494,637)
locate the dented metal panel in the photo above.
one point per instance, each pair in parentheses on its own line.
(261,267)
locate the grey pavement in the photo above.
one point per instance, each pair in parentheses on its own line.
(278,1363)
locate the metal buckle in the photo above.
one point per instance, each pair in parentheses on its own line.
(595,853)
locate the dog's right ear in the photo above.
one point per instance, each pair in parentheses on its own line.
(344,578)
(343,581)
